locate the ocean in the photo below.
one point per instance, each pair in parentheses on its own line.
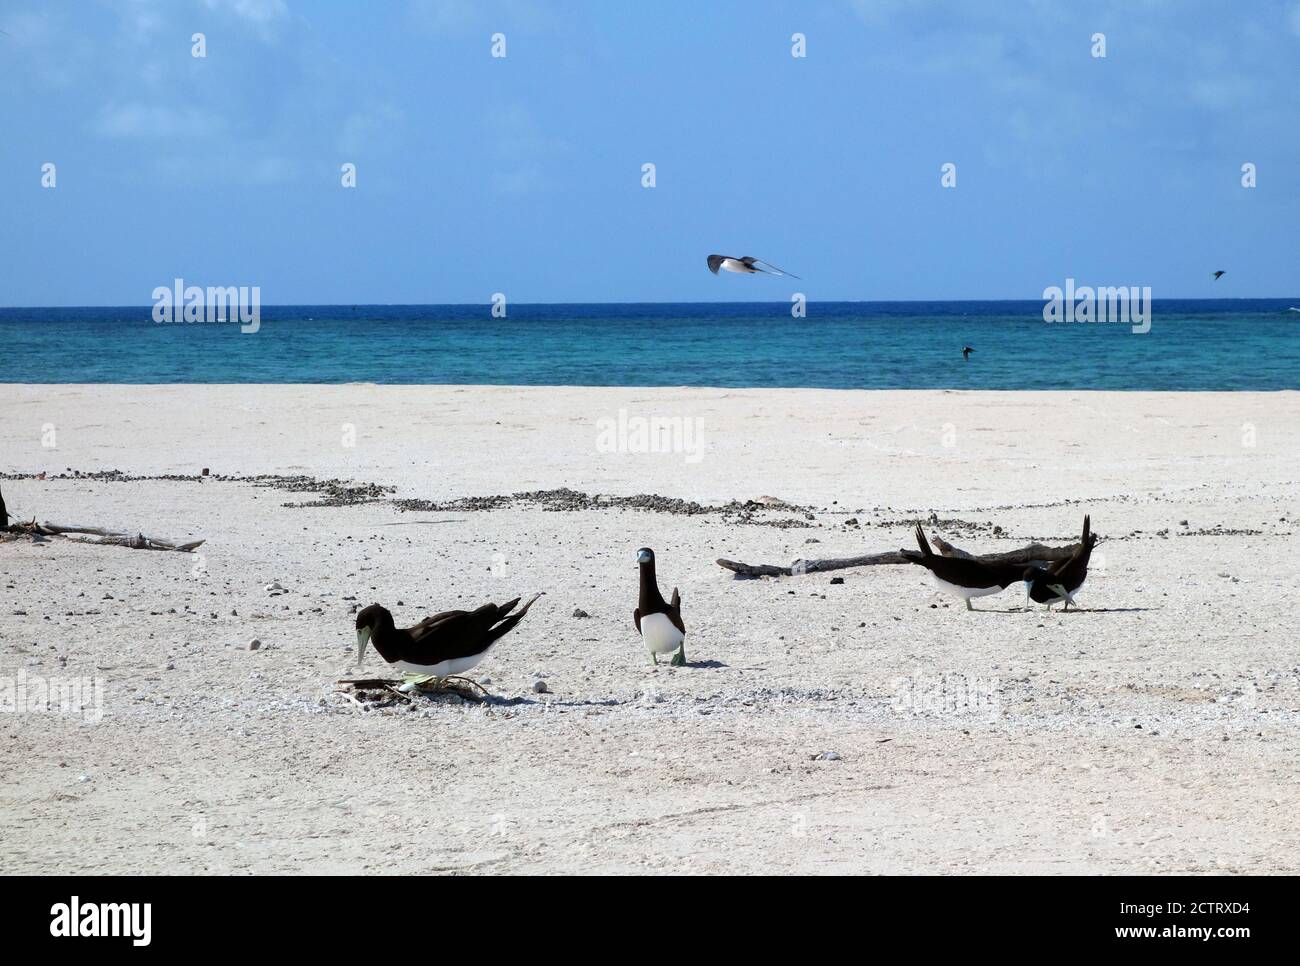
(1229,344)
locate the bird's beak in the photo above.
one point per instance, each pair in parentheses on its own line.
(643,557)
(363,636)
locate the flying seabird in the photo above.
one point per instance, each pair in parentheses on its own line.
(1048,586)
(1218,275)
(959,576)
(439,646)
(966,351)
(748,265)
(659,623)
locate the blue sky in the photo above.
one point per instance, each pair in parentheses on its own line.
(522,175)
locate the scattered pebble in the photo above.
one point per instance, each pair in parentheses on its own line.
(254,644)
(541,687)
(828,756)
(579,612)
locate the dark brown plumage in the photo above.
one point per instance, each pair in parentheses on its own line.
(1069,574)
(454,637)
(964,578)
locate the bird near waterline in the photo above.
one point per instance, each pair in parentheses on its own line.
(659,622)
(1218,275)
(966,351)
(1051,585)
(448,643)
(746,265)
(959,576)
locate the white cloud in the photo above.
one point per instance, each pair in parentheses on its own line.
(134,119)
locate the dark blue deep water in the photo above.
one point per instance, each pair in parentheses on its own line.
(1193,344)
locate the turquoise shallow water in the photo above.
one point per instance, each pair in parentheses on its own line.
(1192,345)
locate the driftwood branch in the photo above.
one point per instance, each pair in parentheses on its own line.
(118,538)
(1035,553)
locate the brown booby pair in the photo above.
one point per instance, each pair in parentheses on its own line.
(1049,586)
(658,622)
(747,265)
(439,646)
(960,576)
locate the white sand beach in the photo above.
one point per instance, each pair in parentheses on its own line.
(1156,729)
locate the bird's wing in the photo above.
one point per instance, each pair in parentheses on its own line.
(715,262)
(675,611)
(767,267)
(636,619)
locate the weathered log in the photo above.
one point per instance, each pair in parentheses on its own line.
(118,538)
(1035,553)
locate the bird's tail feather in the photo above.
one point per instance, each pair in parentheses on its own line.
(923,543)
(509,624)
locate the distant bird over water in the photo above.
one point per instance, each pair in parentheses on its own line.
(746,265)
(1218,275)
(966,351)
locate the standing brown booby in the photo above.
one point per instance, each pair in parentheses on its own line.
(960,576)
(448,643)
(659,623)
(1049,586)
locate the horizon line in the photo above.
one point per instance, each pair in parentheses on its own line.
(488,304)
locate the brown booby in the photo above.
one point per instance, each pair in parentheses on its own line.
(658,622)
(966,351)
(445,644)
(747,265)
(1218,275)
(1048,586)
(960,576)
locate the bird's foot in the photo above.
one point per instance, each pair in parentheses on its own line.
(968,604)
(679,657)
(654,659)
(418,682)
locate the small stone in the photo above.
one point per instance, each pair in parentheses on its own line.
(273,587)
(485,680)
(254,644)
(579,612)
(837,580)
(541,687)
(652,697)
(828,756)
